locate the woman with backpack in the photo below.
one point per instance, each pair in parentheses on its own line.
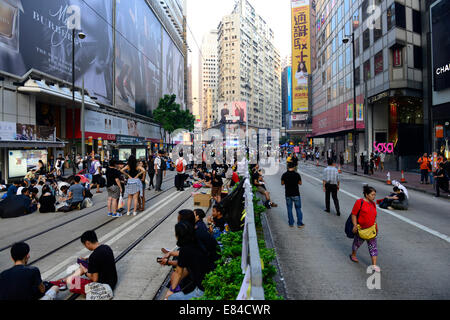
(133,188)
(364,219)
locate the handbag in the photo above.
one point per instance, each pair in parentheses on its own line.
(367,234)
(349,224)
(98,291)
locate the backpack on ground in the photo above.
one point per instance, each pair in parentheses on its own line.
(87,203)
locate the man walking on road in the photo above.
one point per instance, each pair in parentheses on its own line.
(291,180)
(331,184)
(159,171)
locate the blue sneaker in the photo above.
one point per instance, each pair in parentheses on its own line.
(117,215)
(110,214)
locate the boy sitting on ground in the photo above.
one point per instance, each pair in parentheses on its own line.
(100,267)
(22,282)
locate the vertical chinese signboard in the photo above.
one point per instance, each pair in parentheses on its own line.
(301,54)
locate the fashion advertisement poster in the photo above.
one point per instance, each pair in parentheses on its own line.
(233,112)
(106,124)
(39,39)
(148,64)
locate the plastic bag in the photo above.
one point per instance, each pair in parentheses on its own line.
(98,291)
(121,203)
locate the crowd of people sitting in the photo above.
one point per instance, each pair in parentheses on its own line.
(44,194)
(196,235)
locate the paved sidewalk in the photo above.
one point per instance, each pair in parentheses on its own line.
(412,179)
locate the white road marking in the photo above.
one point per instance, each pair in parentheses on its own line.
(409,221)
(135,222)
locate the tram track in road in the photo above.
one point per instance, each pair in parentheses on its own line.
(127,250)
(80,217)
(94,229)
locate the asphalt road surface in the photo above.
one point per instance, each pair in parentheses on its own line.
(413,245)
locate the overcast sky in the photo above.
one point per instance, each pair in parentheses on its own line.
(205,15)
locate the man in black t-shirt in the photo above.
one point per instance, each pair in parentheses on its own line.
(291,180)
(114,188)
(100,267)
(22,282)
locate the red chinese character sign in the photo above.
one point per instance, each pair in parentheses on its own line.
(301,54)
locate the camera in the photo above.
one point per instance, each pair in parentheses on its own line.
(159,260)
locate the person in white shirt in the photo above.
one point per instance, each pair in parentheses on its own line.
(158,170)
(97,175)
(180,167)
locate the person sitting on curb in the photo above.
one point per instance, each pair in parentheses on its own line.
(22,282)
(258,182)
(192,262)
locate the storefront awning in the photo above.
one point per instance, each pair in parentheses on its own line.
(31,144)
(40,87)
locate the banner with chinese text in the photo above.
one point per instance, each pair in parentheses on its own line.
(301,54)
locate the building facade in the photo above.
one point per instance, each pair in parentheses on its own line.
(388,78)
(249,66)
(436,24)
(132,54)
(208,79)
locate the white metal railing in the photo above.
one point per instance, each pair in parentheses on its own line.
(252,287)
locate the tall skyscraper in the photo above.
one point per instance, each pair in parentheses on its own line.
(249,66)
(208,78)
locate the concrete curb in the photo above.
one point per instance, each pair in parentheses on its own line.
(279,278)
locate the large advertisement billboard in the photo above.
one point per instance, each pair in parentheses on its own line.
(101,123)
(301,54)
(148,64)
(233,112)
(34,35)
(440,24)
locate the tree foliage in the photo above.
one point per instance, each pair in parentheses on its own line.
(171,117)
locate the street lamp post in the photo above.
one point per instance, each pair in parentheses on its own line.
(355,157)
(81,36)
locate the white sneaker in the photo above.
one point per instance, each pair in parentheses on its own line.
(128,213)
(134,214)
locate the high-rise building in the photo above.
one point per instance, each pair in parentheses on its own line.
(437,87)
(388,78)
(249,66)
(208,78)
